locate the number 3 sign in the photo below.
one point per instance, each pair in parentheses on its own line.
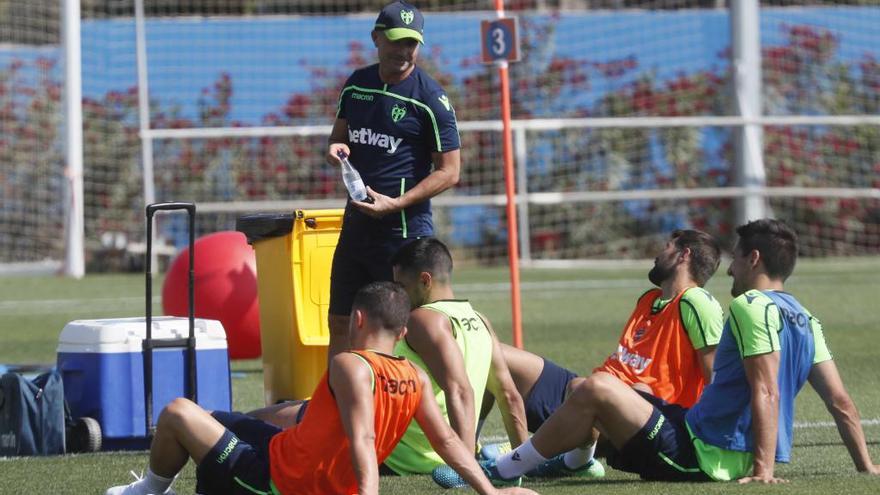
(500,40)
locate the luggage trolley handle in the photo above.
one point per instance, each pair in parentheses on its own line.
(189,343)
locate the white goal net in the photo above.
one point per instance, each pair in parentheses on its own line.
(31,134)
(625,121)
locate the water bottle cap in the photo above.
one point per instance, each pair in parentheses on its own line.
(341,154)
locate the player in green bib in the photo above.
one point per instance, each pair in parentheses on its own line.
(414,454)
(458,348)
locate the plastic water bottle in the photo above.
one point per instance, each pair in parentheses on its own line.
(352,178)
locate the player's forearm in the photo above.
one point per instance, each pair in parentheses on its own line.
(513,414)
(366,469)
(707,360)
(849,425)
(460,410)
(451,449)
(339,132)
(765,417)
(338,136)
(435,183)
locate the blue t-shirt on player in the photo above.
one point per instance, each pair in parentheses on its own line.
(392,131)
(722,417)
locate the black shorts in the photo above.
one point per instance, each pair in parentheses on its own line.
(662,450)
(356,263)
(238,464)
(547,394)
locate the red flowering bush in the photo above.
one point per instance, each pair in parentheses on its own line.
(802,75)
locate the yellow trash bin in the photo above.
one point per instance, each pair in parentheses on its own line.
(294,254)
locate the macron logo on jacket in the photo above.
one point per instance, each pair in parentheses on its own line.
(367,136)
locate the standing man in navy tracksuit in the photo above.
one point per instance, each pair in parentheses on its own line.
(399,128)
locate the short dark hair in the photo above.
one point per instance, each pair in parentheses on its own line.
(427,254)
(705,253)
(775,240)
(384,303)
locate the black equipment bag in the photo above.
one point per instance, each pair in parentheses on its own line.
(32,419)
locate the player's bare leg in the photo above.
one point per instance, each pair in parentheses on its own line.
(525,368)
(281,415)
(184,430)
(641,387)
(602,444)
(601,401)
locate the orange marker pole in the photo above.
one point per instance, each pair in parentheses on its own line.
(510,190)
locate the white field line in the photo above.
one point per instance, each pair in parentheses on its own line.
(593,284)
(60,306)
(828,424)
(807,425)
(56,306)
(559,285)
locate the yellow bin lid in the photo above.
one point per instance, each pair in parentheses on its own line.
(313,235)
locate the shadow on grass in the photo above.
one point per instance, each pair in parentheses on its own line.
(247,366)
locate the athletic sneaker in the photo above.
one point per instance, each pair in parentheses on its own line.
(556,468)
(493,451)
(129,489)
(447,477)
(133,488)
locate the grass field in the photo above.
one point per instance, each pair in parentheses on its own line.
(571,316)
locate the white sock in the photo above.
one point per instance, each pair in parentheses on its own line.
(153,483)
(576,458)
(520,460)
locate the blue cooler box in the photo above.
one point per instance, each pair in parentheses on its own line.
(102,365)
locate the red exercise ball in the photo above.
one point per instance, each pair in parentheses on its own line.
(225,289)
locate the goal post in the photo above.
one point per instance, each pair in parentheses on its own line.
(36,200)
(745,33)
(74,228)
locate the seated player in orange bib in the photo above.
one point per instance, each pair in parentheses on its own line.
(358,412)
(666,348)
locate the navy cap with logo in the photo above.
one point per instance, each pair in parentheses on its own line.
(400,20)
